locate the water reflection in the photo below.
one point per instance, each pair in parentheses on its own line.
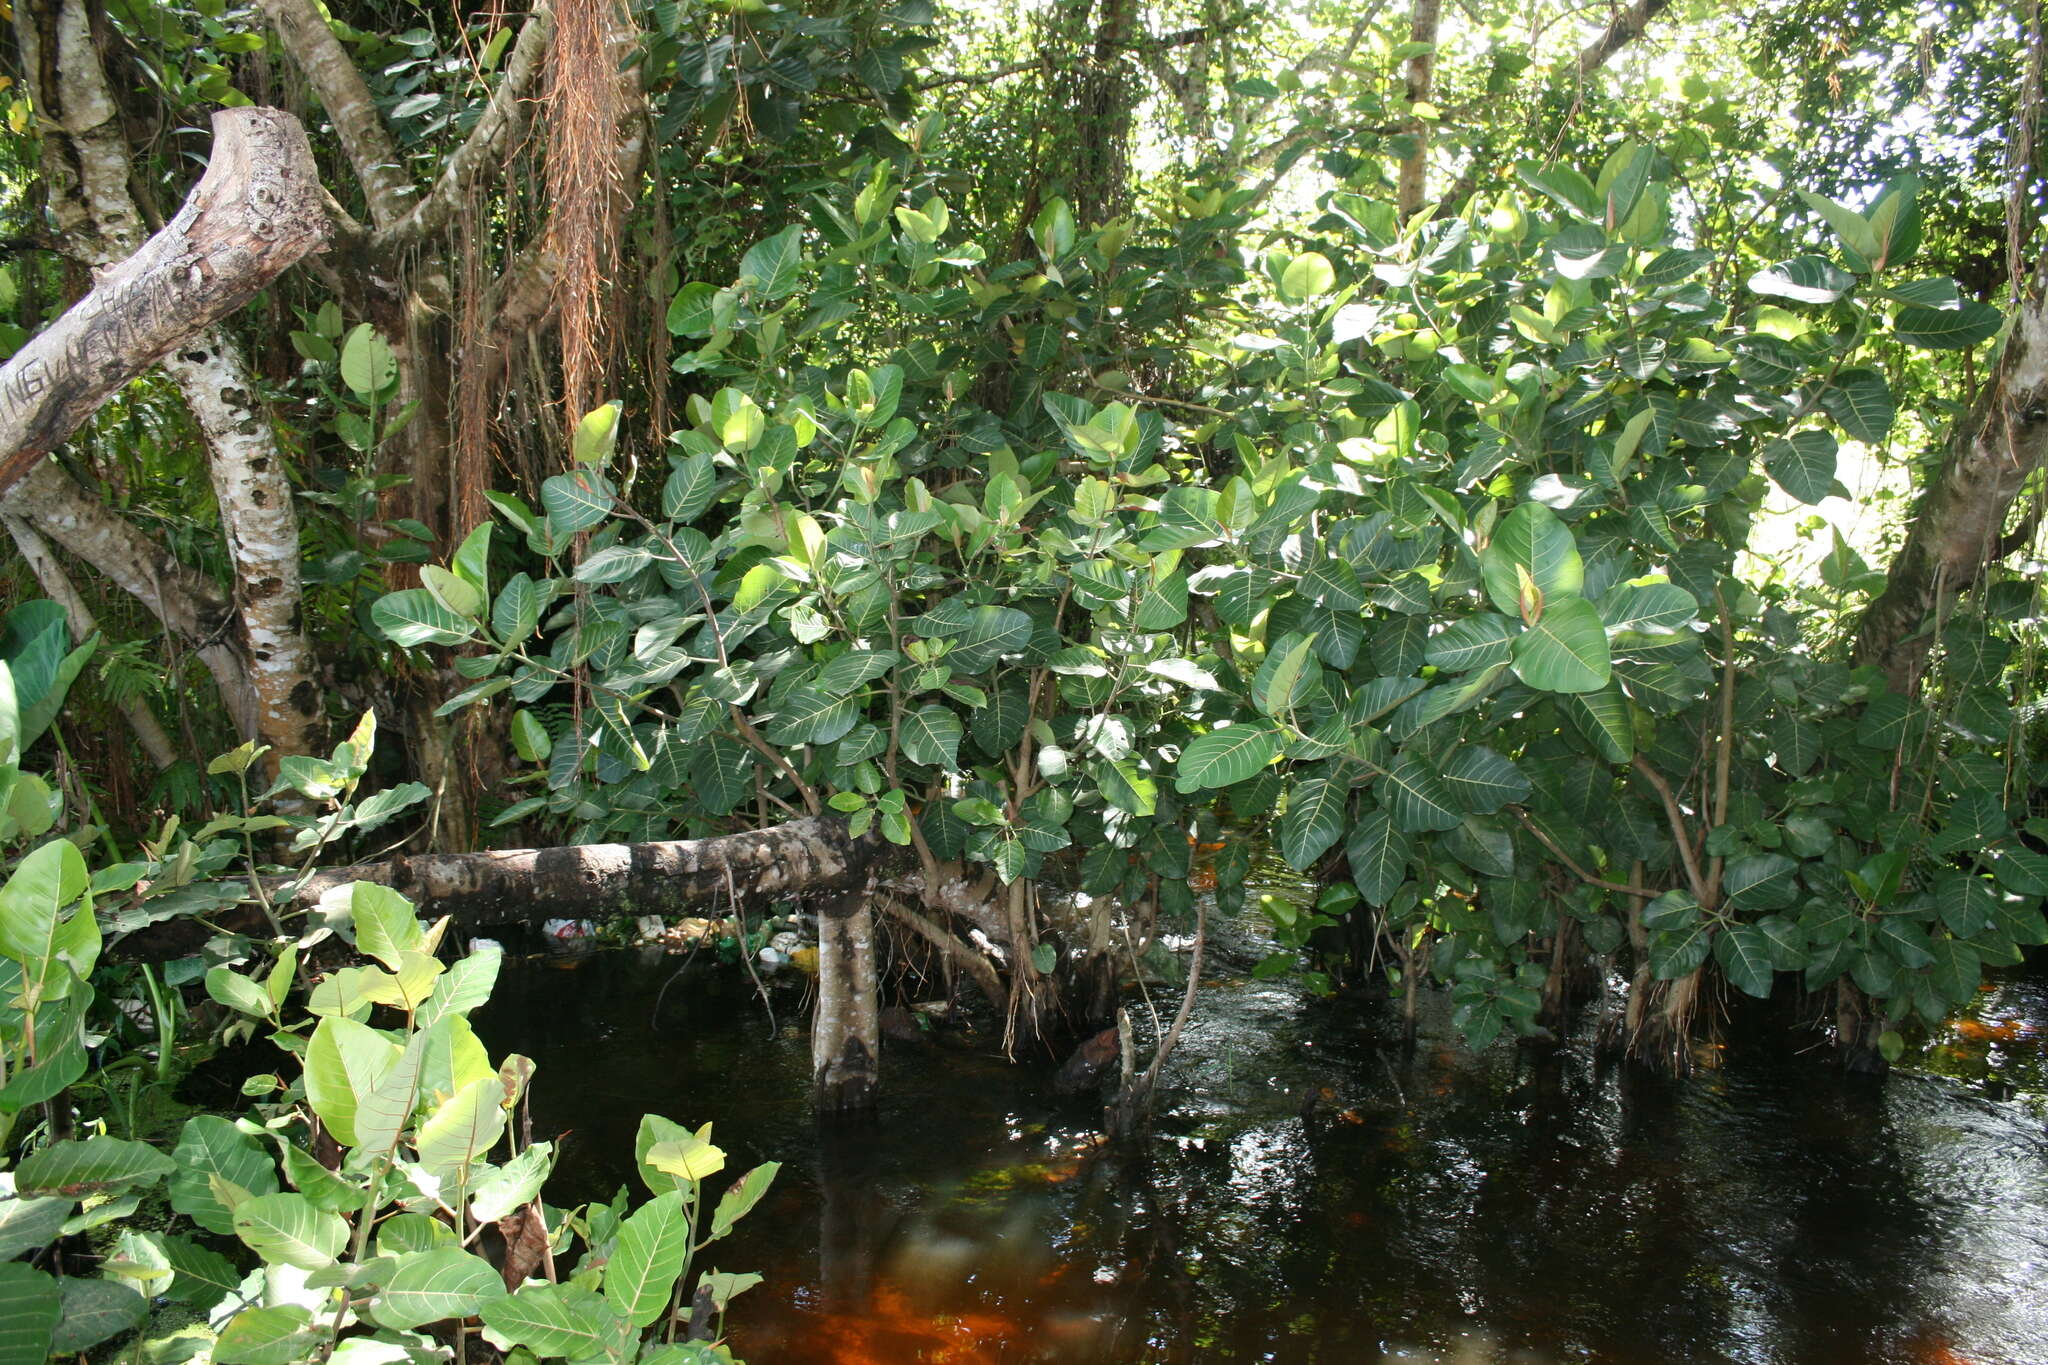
(1317,1194)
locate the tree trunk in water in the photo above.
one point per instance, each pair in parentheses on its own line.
(594,880)
(846,1036)
(1412,180)
(1958,529)
(262,528)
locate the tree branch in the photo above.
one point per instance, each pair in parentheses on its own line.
(487,142)
(1627,26)
(1676,819)
(319,54)
(255,212)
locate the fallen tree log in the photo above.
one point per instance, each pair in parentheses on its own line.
(256,211)
(585,881)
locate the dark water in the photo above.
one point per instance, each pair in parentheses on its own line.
(1315,1193)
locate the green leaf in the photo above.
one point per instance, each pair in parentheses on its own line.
(1378,854)
(212,1148)
(614,564)
(1565,650)
(30,1224)
(771,266)
(647,1258)
(1531,540)
(93,1311)
(1861,402)
(1416,798)
(1803,279)
(691,484)
(991,633)
(1287,676)
(1314,821)
(463,987)
(287,1229)
(416,617)
(30,1303)
(1678,951)
(1224,756)
(1308,276)
(1855,233)
(1744,953)
(597,434)
(436,1286)
(1647,608)
(577,501)
(462,1130)
(1948,329)
(202,1276)
(931,735)
(557,1320)
(367,365)
(282,1335)
(1476,642)
(95,1166)
(1481,781)
(1803,464)
(1761,881)
(744,1193)
(810,715)
(344,1063)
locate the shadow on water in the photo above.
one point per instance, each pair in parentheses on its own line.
(1316,1193)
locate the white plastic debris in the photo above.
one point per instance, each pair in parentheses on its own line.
(568,930)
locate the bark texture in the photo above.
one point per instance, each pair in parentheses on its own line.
(371,152)
(846,1035)
(262,530)
(254,213)
(589,880)
(1959,525)
(1413,177)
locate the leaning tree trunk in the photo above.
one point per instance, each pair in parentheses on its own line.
(1958,529)
(254,213)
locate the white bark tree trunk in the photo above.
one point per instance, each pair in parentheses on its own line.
(262,529)
(846,1035)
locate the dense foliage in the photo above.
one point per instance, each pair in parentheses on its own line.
(1054,450)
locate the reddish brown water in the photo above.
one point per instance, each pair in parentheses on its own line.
(1315,1193)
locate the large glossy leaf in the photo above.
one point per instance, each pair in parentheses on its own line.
(1481,781)
(416,617)
(93,1311)
(30,1302)
(1378,854)
(741,1196)
(1803,279)
(30,1224)
(278,1335)
(94,1166)
(1744,953)
(1861,402)
(931,735)
(577,501)
(1476,642)
(1803,464)
(1415,795)
(462,1130)
(344,1063)
(1948,329)
(434,1286)
(1566,650)
(1314,821)
(287,1229)
(210,1149)
(1531,540)
(1762,881)
(1224,756)
(647,1258)
(557,1320)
